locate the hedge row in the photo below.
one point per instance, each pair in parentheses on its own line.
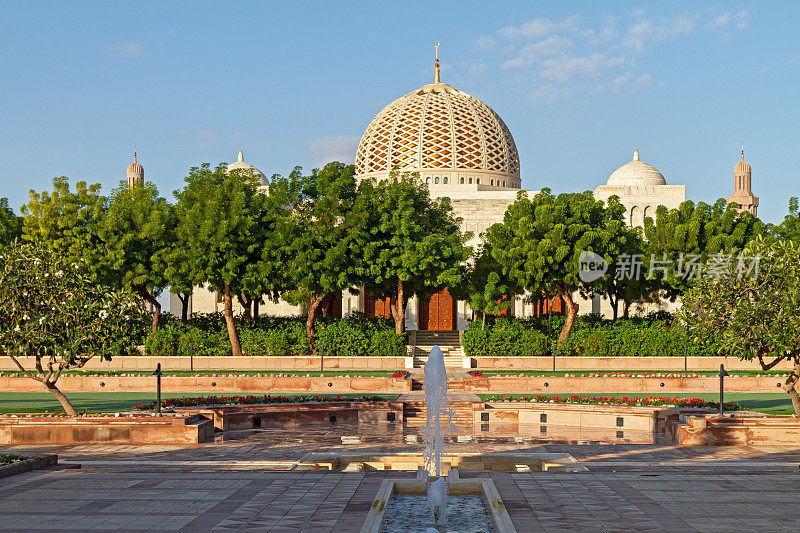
(277,336)
(591,337)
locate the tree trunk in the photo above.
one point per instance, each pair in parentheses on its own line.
(65,403)
(310,331)
(256,303)
(184,298)
(572,312)
(236,348)
(626,308)
(614,302)
(326,305)
(245,301)
(149,298)
(790,387)
(397,305)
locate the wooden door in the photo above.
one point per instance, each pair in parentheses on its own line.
(438,312)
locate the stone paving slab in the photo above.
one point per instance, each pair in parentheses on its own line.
(248,485)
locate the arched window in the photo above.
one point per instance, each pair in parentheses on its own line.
(636,216)
(428,179)
(478,181)
(462,181)
(648,212)
(444,180)
(436,180)
(470,181)
(504,183)
(492,183)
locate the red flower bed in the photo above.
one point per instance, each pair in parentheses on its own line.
(624,400)
(266,398)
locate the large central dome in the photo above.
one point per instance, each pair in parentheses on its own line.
(444,134)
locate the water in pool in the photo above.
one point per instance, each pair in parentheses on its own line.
(409,513)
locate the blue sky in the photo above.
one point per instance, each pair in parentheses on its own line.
(580,85)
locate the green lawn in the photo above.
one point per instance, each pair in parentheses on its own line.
(107,402)
(771,403)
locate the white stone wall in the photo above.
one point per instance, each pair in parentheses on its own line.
(204,300)
(641,202)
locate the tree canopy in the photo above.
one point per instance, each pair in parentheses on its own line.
(316,251)
(216,223)
(406,242)
(66,221)
(54,311)
(10,224)
(136,231)
(752,310)
(678,240)
(541,240)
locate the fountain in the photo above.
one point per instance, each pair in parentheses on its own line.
(438,425)
(475,505)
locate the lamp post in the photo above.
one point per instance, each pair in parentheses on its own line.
(191,357)
(157,374)
(321,357)
(722,374)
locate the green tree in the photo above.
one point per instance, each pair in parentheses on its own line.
(625,283)
(66,221)
(136,232)
(10,224)
(540,241)
(485,287)
(52,310)
(407,242)
(697,233)
(216,216)
(790,227)
(752,310)
(316,253)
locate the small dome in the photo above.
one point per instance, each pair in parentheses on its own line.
(742,166)
(636,173)
(240,164)
(135,167)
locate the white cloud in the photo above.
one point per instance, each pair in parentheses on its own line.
(742,21)
(125,49)
(627,83)
(720,21)
(648,31)
(576,57)
(485,43)
(548,93)
(477,68)
(564,68)
(533,52)
(338,148)
(540,27)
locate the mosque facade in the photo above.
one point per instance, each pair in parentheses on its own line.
(462,149)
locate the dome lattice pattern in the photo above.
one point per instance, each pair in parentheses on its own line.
(437,127)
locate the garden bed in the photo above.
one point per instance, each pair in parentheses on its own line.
(263,399)
(11,465)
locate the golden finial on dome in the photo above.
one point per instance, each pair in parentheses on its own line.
(436,64)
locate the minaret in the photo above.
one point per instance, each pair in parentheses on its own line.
(135,173)
(436,65)
(742,193)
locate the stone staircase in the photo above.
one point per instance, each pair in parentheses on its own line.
(415,413)
(448,341)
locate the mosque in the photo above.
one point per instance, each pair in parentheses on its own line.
(463,150)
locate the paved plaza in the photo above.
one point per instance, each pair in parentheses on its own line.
(250,483)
